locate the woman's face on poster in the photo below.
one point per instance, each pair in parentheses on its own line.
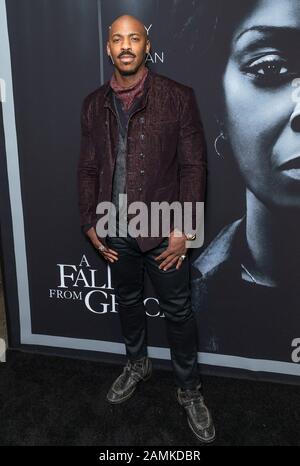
(261,87)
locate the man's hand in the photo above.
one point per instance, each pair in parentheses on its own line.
(173,252)
(107,253)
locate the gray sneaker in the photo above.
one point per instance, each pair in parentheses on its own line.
(198,416)
(125,385)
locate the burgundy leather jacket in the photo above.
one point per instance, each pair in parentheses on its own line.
(166,150)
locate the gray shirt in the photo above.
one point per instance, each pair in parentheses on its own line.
(119,178)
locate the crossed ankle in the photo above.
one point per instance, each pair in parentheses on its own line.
(198,386)
(138,360)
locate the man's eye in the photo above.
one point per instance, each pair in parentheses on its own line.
(135,38)
(270,69)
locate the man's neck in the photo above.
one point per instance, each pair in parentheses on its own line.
(128,81)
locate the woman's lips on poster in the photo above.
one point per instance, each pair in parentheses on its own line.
(291,167)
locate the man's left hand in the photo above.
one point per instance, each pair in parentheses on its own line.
(176,247)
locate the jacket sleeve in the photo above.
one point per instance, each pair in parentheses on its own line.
(192,156)
(87,172)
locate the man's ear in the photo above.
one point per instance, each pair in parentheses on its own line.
(109,55)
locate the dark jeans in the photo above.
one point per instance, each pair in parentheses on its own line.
(173,291)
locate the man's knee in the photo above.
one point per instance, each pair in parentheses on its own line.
(178,313)
(130,301)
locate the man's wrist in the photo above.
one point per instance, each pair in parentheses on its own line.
(86,227)
(188,236)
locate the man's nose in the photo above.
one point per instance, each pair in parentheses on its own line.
(126,45)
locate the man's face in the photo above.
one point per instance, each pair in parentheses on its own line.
(127,45)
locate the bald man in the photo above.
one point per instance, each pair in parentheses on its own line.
(142,136)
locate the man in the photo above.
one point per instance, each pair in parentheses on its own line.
(142,135)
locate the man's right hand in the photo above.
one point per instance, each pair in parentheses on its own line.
(107,253)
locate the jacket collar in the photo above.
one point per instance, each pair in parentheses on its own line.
(108,92)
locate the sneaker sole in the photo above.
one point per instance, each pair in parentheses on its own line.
(129,395)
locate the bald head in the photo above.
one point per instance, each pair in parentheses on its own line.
(127,44)
(130,22)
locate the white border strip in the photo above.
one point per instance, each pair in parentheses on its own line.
(256,365)
(210,359)
(13,170)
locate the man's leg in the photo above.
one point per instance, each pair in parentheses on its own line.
(128,279)
(173,290)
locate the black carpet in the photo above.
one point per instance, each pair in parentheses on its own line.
(47,400)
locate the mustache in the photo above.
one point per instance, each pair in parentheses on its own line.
(126,53)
